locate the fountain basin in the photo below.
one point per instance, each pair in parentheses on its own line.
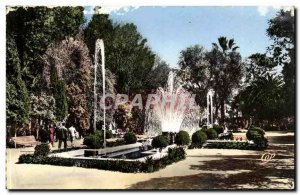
(131,152)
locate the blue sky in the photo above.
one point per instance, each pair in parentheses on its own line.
(171,29)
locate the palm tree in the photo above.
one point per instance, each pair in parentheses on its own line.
(262,99)
(226,71)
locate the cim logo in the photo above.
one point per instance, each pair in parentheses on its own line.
(266,157)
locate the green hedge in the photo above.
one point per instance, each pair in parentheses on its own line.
(150,165)
(231,145)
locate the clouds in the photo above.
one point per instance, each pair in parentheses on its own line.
(263,10)
(118,10)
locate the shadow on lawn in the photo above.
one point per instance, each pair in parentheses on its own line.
(260,176)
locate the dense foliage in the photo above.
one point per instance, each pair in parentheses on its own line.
(42,150)
(218,128)
(210,133)
(182,138)
(231,145)
(198,139)
(130,138)
(160,142)
(94,140)
(256,134)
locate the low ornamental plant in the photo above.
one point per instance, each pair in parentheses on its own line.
(219,129)
(160,142)
(130,138)
(257,135)
(150,165)
(41,150)
(94,140)
(182,138)
(198,139)
(211,133)
(231,145)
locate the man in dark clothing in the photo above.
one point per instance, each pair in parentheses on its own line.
(62,134)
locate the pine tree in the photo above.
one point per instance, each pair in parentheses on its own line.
(17,96)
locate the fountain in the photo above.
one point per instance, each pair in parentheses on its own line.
(173,112)
(99,46)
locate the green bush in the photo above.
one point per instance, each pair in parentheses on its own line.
(211,133)
(94,140)
(198,139)
(41,150)
(168,136)
(108,134)
(257,135)
(182,138)
(150,165)
(254,130)
(160,142)
(130,138)
(219,129)
(231,145)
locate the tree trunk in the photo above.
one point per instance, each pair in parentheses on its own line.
(222,112)
(216,106)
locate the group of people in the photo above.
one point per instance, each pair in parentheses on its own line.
(61,133)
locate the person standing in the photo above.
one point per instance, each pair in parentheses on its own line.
(72,132)
(62,136)
(52,134)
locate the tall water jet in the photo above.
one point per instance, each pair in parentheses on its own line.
(173,111)
(99,46)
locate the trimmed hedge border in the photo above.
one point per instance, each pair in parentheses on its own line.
(150,165)
(231,145)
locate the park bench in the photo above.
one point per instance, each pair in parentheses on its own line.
(24,141)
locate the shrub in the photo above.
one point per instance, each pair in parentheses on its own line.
(211,133)
(41,150)
(94,140)
(182,138)
(250,133)
(231,145)
(256,134)
(168,136)
(150,165)
(198,138)
(226,136)
(160,142)
(219,129)
(108,134)
(130,138)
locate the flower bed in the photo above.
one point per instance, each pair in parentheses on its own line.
(150,165)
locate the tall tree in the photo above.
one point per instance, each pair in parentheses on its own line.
(262,99)
(282,31)
(17,96)
(70,59)
(226,69)
(35,28)
(194,72)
